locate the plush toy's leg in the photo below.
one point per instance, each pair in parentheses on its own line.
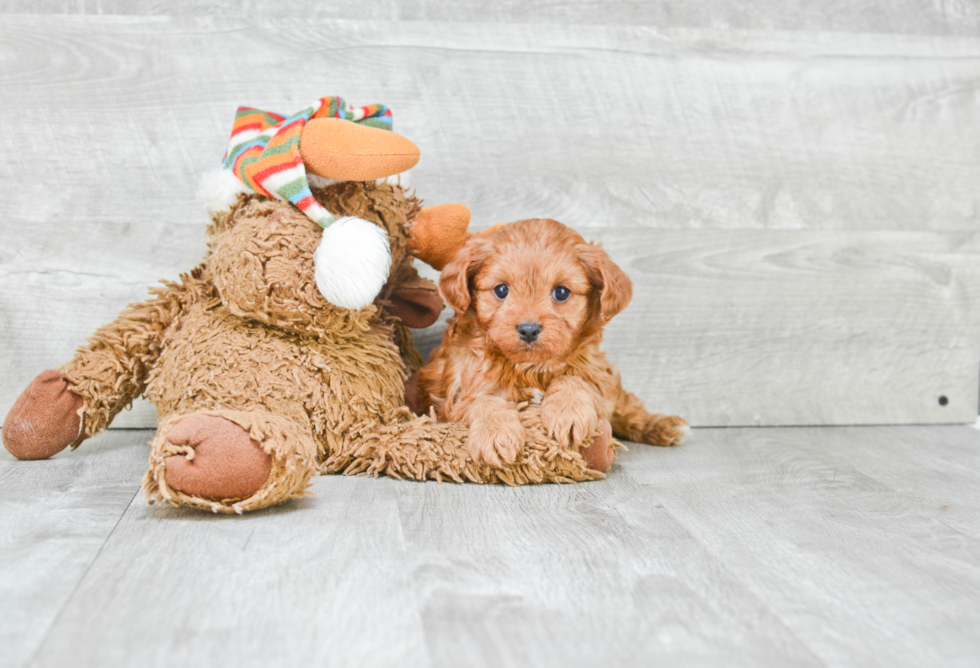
(44,420)
(230,461)
(407,446)
(64,407)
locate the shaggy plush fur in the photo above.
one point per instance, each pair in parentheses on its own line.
(531,300)
(247,342)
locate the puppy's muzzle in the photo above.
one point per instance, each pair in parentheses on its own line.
(528,331)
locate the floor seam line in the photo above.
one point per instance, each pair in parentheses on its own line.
(74,591)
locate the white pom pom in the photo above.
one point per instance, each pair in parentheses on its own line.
(320,181)
(352,262)
(219,189)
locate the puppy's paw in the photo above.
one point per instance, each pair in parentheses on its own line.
(569,416)
(665,430)
(496,438)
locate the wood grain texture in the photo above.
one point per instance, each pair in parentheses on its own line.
(761,547)
(110,119)
(597,125)
(856,569)
(946,17)
(55,516)
(790,328)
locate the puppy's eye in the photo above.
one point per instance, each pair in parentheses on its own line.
(501,291)
(561,293)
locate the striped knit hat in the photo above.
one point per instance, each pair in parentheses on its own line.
(264,149)
(354,257)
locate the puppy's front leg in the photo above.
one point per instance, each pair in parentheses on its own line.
(570,410)
(496,433)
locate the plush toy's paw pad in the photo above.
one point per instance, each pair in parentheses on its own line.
(599,454)
(45,418)
(665,430)
(226,462)
(569,416)
(497,438)
(412,393)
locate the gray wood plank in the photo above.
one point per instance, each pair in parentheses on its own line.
(760,547)
(384,573)
(898,16)
(55,516)
(942,480)
(863,574)
(323,581)
(597,125)
(726,327)
(587,575)
(789,328)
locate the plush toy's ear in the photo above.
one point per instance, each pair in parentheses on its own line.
(334,148)
(615,287)
(438,233)
(454,282)
(415,300)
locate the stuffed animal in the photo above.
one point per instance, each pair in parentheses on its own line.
(285,353)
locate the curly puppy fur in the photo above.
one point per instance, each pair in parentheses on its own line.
(531,301)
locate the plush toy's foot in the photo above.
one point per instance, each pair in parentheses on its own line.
(230,461)
(599,455)
(412,394)
(45,418)
(222,462)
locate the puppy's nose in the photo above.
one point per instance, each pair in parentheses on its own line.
(528,331)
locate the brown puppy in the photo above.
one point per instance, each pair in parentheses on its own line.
(531,299)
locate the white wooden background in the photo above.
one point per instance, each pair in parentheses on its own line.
(793,186)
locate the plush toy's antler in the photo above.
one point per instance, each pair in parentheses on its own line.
(438,232)
(344,151)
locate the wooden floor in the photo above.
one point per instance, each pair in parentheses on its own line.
(767,547)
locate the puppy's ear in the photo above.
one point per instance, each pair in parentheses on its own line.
(615,287)
(454,282)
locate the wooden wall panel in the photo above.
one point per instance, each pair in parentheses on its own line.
(796,328)
(923,17)
(708,133)
(684,129)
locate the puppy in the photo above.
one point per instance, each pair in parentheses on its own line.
(531,299)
